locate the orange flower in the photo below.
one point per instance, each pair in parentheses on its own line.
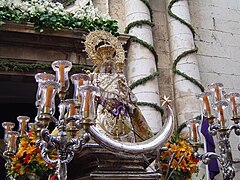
(174,148)
(183,165)
(28,159)
(179,151)
(31,149)
(174,164)
(164,167)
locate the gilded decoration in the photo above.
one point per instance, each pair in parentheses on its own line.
(118,114)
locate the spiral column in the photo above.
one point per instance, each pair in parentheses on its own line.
(142,61)
(185,65)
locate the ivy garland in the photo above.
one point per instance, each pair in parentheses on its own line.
(185,53)
(13,65)
(144,80)
(176,71)
(151,48)
(178,18)
(153,105)
(146,45)
(149,8)
(137,23)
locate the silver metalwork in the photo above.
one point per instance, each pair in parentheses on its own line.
(136,148)
(218,127)
(65,148)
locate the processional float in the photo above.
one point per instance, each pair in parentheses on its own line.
(102,108)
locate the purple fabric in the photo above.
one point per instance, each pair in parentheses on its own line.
(213,167)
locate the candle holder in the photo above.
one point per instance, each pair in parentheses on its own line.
(8,126)
(46,107)
(40,78)
(79,80)
(216,106)
(88,110)
(23,120)
(62,68)
(233,98)
(194,135)
(11,146)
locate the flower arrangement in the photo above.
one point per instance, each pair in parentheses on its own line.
(28,161)
(45,14)
(178,162)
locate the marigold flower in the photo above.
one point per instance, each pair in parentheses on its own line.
(28,159)
(179,159)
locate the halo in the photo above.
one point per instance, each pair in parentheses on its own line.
(99,40)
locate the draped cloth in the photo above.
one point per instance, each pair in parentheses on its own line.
(213,167)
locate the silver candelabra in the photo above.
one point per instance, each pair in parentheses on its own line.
(221,111)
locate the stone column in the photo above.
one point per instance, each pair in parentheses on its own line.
(102,5)
(181,39)
(141,62)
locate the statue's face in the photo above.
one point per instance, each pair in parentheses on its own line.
(108,66)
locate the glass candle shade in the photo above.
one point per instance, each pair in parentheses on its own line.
(233,99)
(42,77)
(62,67)
(11,147)
(70,106)
(222,113)
(47,102)
(79,80)
(8,126)
(206,105)
(22,128)
(88,110)
(217,89)
(194,133)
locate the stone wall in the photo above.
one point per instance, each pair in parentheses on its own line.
(218,28)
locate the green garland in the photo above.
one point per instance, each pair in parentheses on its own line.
(176,71)
(149,8)
(137,23)
(151,48)
(146,45)
(144,80)
(185,53)
(153,105)
(178,18)
(14,65)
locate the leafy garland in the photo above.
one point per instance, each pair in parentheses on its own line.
(149,8)
(14,65)
(137,23)
(185,53)
(146,45)
(151,48)
(144,80)
(153,105)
